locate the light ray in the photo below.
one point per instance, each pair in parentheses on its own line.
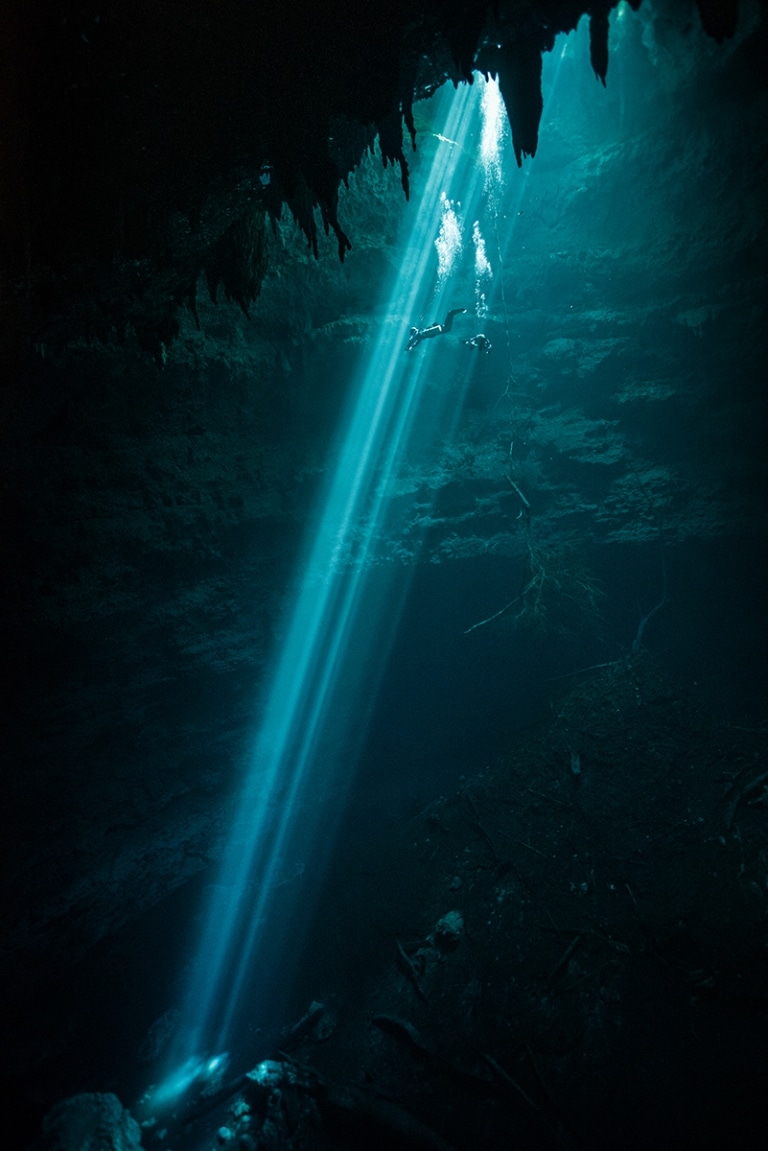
(276,817)
(512,206)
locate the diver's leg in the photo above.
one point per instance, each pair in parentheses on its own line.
(449,318)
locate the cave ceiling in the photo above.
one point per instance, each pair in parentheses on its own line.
(145,143)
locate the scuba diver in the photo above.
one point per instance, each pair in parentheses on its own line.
(419,334)
(480,341)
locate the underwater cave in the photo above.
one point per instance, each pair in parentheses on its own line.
(383,614)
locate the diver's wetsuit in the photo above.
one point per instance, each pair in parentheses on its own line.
(419,334)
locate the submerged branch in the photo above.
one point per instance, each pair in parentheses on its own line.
(502,611)
(649,615)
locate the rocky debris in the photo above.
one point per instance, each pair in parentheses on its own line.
(282,1105)
(90,1122)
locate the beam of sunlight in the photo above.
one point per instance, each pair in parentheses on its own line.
(505,205)
(282,812)
(512,207)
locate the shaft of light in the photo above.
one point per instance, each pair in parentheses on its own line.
(274,817)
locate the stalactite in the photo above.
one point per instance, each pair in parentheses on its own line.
(463,30)
(718,18)
(390,129)
(598,39)
(238,261)
(518,67)
(323,179)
